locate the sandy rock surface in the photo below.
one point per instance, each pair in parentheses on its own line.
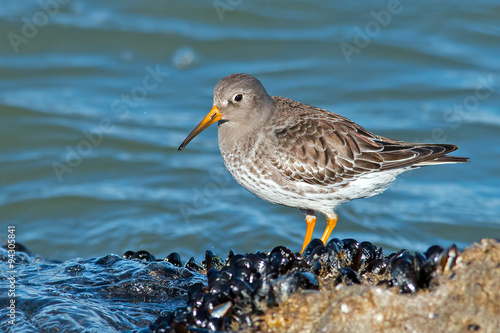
(463,299)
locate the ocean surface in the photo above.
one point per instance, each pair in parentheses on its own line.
(95,98)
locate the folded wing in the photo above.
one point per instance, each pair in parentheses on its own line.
(326,149)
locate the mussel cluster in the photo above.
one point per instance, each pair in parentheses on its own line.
(350,262)
(240,288)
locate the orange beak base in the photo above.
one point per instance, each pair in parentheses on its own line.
(213,116)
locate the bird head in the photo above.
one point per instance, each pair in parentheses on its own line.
(238,99)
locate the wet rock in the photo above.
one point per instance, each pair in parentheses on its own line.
(463,295)
(212,260)
(342,286)
(174,258)
(192,265)
(141,255)
(347,276)
(240,288)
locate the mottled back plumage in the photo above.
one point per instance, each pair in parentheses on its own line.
(320,147)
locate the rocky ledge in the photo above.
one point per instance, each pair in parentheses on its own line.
(465,298)
(344,286)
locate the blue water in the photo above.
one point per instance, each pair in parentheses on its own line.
(95,102)
(105,294)
(95,98)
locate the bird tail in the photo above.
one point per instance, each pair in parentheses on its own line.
(397,154)
(444,160)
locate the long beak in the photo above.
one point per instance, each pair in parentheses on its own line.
(213,116)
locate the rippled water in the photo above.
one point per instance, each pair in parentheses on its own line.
(96,97)
(90,295)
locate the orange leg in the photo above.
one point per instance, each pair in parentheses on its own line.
(330,224)
(311,222)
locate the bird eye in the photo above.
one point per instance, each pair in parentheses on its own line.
(238,97)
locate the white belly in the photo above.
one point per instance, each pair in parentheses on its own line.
(259,180)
